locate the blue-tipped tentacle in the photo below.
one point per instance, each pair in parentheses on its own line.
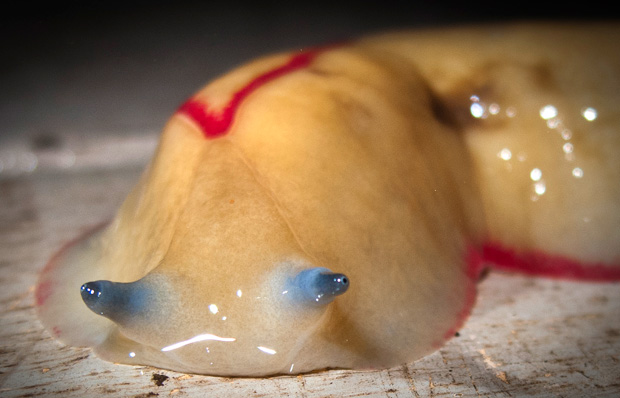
(318,285)
(115,300)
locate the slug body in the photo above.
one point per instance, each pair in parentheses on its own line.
(334,208)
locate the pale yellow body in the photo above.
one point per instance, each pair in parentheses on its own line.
(370,162)
(523,69)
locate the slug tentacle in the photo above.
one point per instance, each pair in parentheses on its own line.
(115,301)
(318,286)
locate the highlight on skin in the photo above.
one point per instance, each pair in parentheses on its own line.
(335,207)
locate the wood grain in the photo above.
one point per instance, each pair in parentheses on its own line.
(526,337)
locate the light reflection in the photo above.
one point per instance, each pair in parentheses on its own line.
(505,154)
(540,188)
(239,293)
(589,114)
(480,110)
(548,112)
(213,308)
(566,134)
(132,354)
(477,110)
(18,163)
(494,109)
(29,162)
(67,159)
(553,123)
(196,339)
(266,350)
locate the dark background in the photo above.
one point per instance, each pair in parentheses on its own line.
(111,66)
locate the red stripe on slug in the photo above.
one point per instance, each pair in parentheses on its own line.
(474,266)
(535,263)
(215,124)
(56,331)
(45,285)
(42,292)
(543,264)
(212,125)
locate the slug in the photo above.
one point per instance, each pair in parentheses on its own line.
(335,207)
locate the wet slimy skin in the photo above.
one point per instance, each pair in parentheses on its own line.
(334,208)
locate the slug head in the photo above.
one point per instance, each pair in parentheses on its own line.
(258,328)
(233,294)
(215,262)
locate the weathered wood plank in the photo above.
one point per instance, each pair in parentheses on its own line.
(526,337)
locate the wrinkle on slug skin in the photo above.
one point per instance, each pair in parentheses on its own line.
(335,207)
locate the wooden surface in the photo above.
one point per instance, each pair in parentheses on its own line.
(526,337)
